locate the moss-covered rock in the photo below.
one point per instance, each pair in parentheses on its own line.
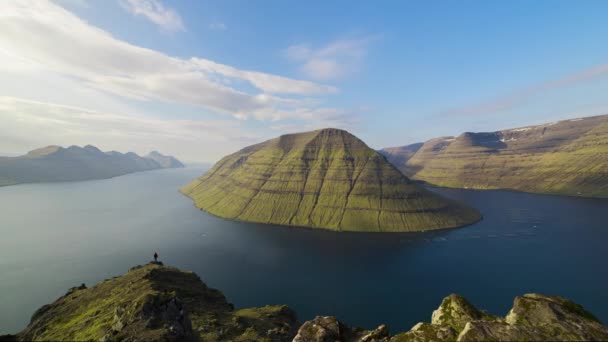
(534,317)
(329,329)
(322,179)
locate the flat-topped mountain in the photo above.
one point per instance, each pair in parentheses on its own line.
(74,163)
(322,179)
(158,303)
(568,157)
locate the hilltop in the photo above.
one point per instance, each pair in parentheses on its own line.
(159,303)
(568,157)
(74,163)
(322,179)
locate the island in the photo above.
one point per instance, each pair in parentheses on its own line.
(326,179)
(74,163)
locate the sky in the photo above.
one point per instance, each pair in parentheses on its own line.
(201,79)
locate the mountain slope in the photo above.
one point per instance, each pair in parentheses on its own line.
(568,157)
(154,303)
(323,179)
(58,164)
(164,161)
(401,154)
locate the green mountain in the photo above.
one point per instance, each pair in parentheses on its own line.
(323,179)
(567,157)
(158,303)
(58,164)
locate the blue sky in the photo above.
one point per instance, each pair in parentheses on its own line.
(201,79)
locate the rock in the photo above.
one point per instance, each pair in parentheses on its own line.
(427,332)
(329,329)
(167,311)
(378,334)
(322,329)
(455,311)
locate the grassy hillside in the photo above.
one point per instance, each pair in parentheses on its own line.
(324,179)
(58,164)
(155,303)
(568,157)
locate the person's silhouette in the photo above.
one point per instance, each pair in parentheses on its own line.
(155,257)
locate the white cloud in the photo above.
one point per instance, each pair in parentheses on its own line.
(154,10)
(218,26)
(39,35)
(333,61)
(28,124)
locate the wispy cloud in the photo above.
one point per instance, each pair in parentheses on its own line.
(523,95)
(166,18)
(39,35)
(218,26)
(332,61)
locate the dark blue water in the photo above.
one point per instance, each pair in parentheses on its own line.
(55,236)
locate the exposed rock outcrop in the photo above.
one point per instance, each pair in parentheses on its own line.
(534,317)
(329,329)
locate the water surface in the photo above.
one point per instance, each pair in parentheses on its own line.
(58,235)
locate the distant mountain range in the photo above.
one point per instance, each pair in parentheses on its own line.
(74,163)
(322,179)
(568,157)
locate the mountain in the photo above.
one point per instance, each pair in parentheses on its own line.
(568,157)
(164,161)
(58,164)
(154,302)
(400,154)
(322,179)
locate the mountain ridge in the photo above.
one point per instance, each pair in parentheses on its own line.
(567,157)
(61,164)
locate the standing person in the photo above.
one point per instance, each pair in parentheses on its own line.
(155,257)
